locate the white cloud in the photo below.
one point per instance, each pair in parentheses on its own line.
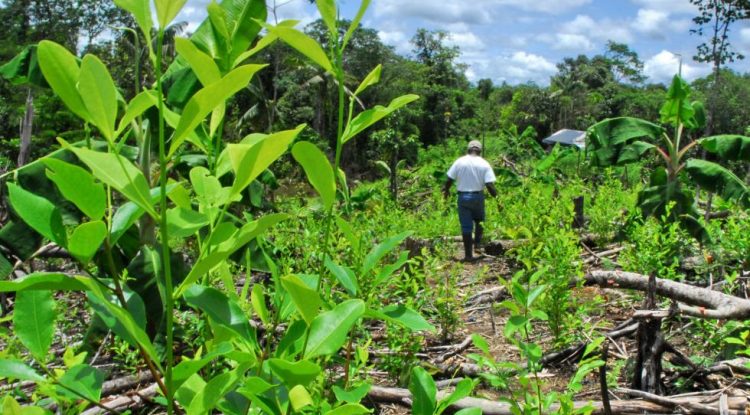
(664,65)
(396,38)
(573,42)
(466,41)
(432,10)
(658,23)
(669,6)
(743,41)
(584,34)
(521,67)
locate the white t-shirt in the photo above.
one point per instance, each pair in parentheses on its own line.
(471,173)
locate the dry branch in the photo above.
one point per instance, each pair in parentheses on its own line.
(123,402)
(698,301)
(736,406)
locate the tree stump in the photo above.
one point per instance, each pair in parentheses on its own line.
(647,374)
(578,219)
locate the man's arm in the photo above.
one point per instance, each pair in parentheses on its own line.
(491,188)
(447,186)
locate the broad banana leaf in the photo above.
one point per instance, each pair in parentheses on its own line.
(241,16)
(618,141)
(728,147)
(719,180)
(655,200)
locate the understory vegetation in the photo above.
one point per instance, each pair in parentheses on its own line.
(248,219)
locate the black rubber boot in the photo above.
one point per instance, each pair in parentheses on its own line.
(478,233)
(468,247)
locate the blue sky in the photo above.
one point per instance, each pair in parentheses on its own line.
(518,41)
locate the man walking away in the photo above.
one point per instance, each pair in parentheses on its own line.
(472,174)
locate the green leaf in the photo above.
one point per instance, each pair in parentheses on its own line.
(203,65)
(303,44)
(39,213)
(327,9)
(78,186)
(318,170)
(222,309)
(294,373)
(188,368)
(719,180)
(209,396)
(118,172)
(728,147)
(329,330)
(264,42)
(61,70)
(462,390)
(222,251)
(185,222)
(208,98)
(344,275)
(250,160)
(677,108)
(96,86)
(371,79)
(369,117)
(349,409)
(34,321)
(353,395)
(10,406)
(381,250)
(480,343)
(423,391)
(407,317)
(354,25)
(243,18)
(122,322)
(607,141)
(258,301)
(6,268)
(86,240)
(23,69)
(129,213)
(14,369)
(300,398)
(84,380)
(254,386)
(136,107)
(45,281)
(308,301)
(469,411)
(141,11)
(389,269)
(167,10)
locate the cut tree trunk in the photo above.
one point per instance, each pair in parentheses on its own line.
(694,301)
(27,125)
(647,374)
(650,403)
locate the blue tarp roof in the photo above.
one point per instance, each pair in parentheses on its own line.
(568,137)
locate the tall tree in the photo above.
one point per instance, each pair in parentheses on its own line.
(714,21)
(625,63)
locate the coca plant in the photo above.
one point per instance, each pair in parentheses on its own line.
(624,140)
(126,217)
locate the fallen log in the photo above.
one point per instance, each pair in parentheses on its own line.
(735,406)
(695,301)
(123,402)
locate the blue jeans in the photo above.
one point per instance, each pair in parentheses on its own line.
(470,210)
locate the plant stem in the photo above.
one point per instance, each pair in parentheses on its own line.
(163,232)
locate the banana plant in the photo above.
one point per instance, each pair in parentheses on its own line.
(624,140)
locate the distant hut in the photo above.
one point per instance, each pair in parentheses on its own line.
(567,138)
